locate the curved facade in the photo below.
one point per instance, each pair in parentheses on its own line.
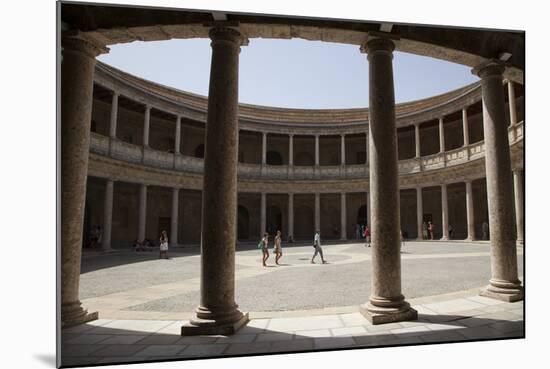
(299,170)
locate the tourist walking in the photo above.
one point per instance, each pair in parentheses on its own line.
(163,245)
(278,249)
(357,231)
(431,230)
(366,235)
(424,231)
(263,246)
(318,249)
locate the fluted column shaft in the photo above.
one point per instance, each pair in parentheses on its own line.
(107,216)
(343,222)
(174,217)
(504,283)
(77,73)
(470,220)
(386,303)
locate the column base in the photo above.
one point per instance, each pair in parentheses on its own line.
(382,315)
(444,239)
(73,314)
(503,291)
(208,323)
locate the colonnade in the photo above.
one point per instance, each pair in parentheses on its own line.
(317,145)
(218,312)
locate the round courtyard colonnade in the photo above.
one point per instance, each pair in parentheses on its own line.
(157,158)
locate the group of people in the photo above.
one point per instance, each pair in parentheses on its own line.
(148,245)
(278,250)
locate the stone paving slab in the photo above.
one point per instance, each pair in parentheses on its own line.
(112,341)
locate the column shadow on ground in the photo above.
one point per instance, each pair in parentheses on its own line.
(89,344)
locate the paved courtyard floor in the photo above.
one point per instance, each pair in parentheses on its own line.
(143,301)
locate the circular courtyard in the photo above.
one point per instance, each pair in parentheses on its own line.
(134,285)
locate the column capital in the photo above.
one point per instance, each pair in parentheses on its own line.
(491,67)
(378,41)
(226,32)
(77,42)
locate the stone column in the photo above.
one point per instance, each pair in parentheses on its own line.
(419,213)
(291,215)
(368,210)
(218,312)
(504,283)
(317,212)
(142,215)
(343,214)
(444,213)
(263,217)
(316,150)
(470,220)
(146,122)
(290,150)
(107,216)
(518,195)
(465,130)
(343,149)
(512,103)
(177,139)
(441,136)
(367,159)
(77,75)
(386,303)
(417,139)
(174,218)
(114,115)
(264,148)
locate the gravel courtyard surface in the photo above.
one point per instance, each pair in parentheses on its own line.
(428,268)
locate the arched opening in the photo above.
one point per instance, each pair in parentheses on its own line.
(274,158)
(274,220)
(304,159)
(199,151)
